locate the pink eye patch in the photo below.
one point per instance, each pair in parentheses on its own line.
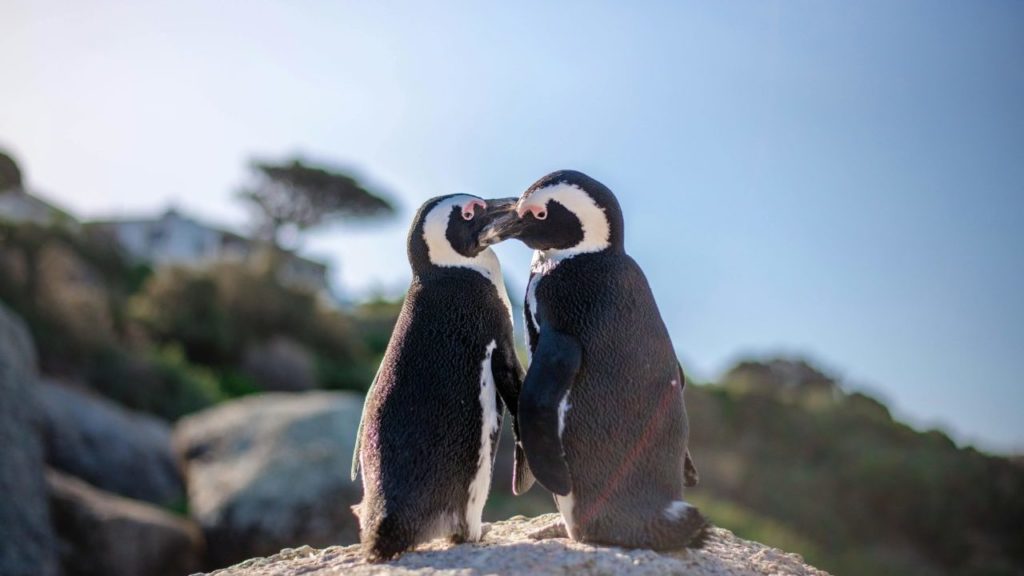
(539,212)
(469,208)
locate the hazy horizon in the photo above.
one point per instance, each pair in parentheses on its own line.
(836,181)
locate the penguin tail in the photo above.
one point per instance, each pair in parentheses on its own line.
(690,475)
(681,525)
(674,527)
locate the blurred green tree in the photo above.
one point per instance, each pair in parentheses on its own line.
(295,196)
(218,315)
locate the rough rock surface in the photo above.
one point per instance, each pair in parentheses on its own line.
(272,471)
(27,543)
(507,548)
(109,447)
(103,534)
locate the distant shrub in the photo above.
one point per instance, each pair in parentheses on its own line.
(790,380)
(179,306)
(372,322)
(232,317)
(864,489)
(280,364)
(161,383)
(335,375)
(234,383)
(867,407)
(70,287)
(375,320)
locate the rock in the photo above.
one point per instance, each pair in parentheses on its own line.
(507,548)
(29,546)
(271,471)
(103,534)
(112,448)
(280,364)
(17,351)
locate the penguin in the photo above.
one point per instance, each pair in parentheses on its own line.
(601,412)
(429,428)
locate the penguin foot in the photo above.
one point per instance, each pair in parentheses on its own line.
(378,555)
(556,530)
(464,536)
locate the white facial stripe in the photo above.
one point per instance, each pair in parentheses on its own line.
(435,234)
(596,229)
(441,253)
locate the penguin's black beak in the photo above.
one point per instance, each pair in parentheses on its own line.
(503,221)
(501,206)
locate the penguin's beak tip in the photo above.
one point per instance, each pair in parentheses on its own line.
(504,222)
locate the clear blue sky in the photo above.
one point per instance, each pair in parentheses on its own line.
(838,179)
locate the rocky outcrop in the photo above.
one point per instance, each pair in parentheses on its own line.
(28,545)
(271,471)
(508,548)
(102,534)
(114,449)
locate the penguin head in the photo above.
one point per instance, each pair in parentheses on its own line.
(446,232)
(566,212)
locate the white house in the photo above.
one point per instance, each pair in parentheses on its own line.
(174,239)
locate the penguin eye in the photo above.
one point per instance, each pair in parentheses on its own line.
(541,214)
(467,214)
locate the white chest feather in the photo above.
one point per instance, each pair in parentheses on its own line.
(488,427)
(531,310)
(494,275)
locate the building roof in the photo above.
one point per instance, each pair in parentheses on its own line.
(174,214)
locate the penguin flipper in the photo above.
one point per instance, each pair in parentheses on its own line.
(359,433)
(359,446)
(508,377)
(555,363)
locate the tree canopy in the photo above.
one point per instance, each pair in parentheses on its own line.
(10,174)
(303,196)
